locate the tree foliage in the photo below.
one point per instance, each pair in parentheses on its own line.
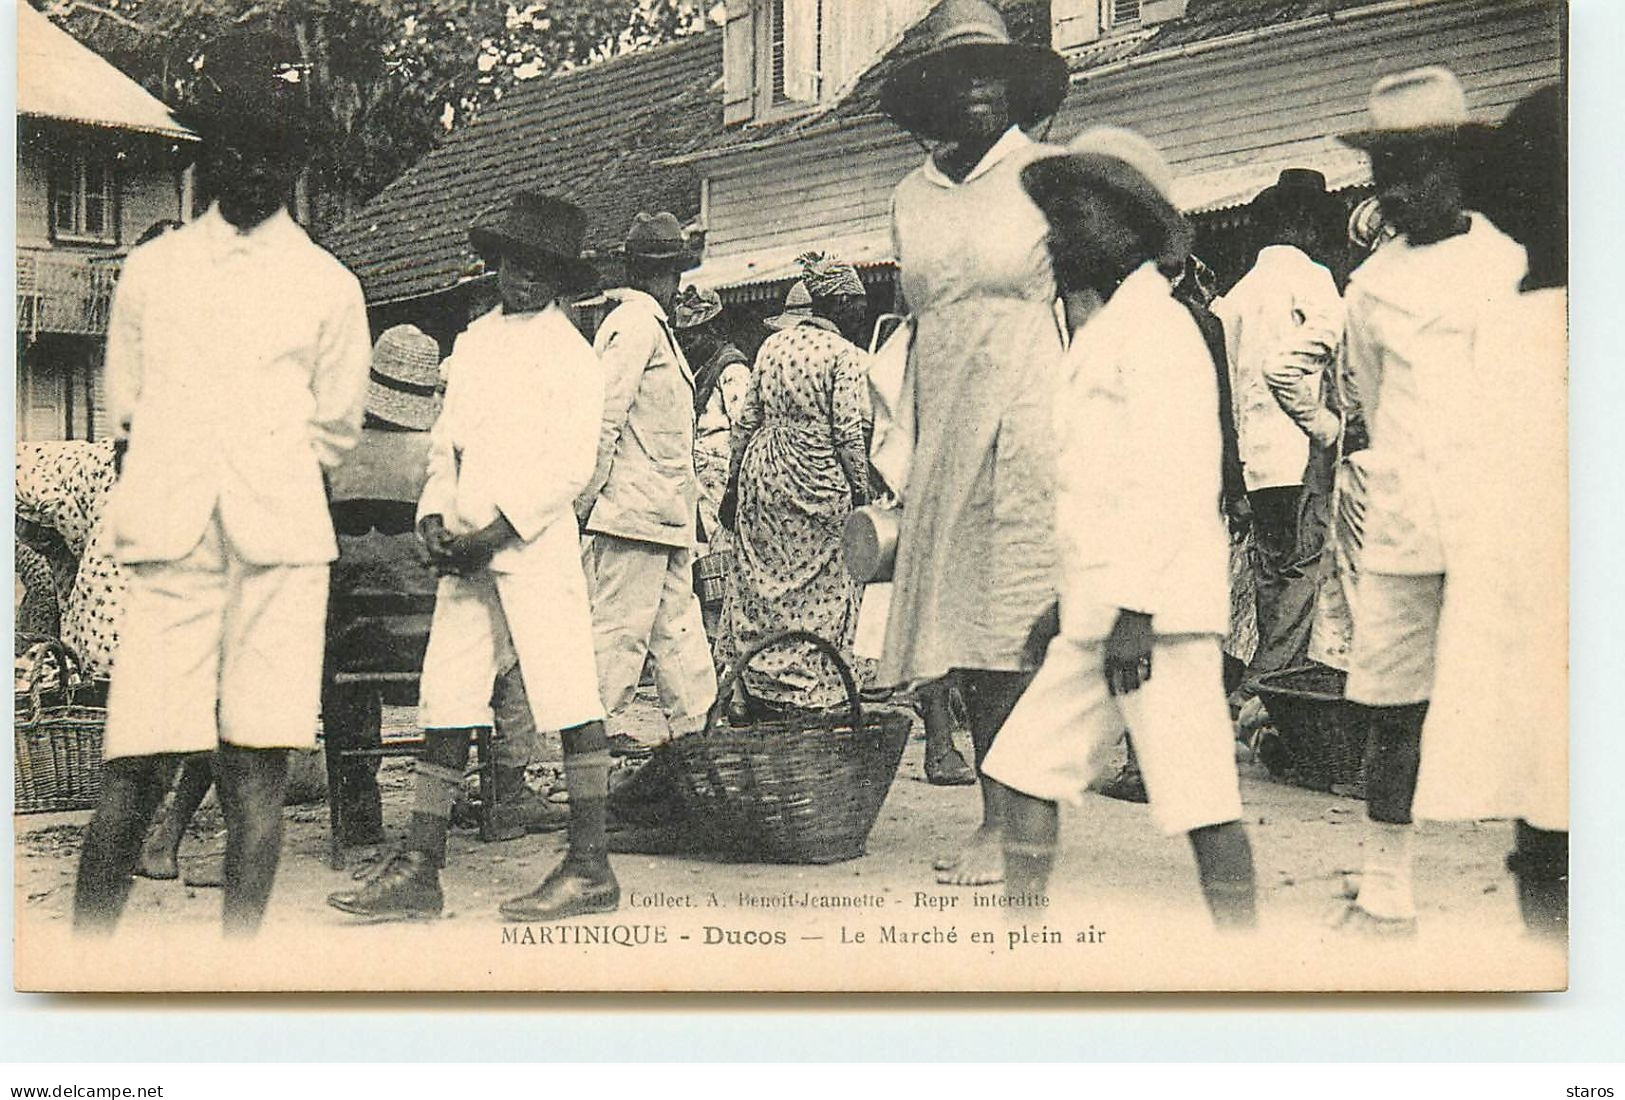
(388,78)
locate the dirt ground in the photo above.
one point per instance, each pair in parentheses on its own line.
(1115,867)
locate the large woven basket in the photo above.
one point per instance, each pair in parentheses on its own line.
(804,790)
(1322,736)
(59,722)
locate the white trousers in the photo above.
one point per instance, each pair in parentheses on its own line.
(643,603)
(215,649)
(1064,727)
(484,621)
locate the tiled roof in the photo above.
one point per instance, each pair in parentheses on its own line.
(60,78)
(592,135)
(1028,21)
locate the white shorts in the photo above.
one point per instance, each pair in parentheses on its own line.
(214,649)
(1063,729)
(1396,636)
(483,622)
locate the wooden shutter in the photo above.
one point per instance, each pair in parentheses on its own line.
(738,63)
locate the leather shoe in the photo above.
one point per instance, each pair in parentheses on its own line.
(405,887)
(570,891)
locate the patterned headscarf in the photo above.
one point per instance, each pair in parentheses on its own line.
(828,277)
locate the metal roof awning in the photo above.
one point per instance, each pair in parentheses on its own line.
(760,270)
(1223,188)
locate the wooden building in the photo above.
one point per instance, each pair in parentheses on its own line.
(1232,91)
(99,162)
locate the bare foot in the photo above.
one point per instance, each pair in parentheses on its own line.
(980,864)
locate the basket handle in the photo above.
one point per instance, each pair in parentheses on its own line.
(736,673)
(68,670)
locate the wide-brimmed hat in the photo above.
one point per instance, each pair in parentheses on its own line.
(541,229)
(962,35)
(1297,189)
(1124,164)
(1419,105)
(404,388)
(659,237)
(695,306)
(797,307)
(251,88)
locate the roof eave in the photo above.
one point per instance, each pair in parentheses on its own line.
(177,133)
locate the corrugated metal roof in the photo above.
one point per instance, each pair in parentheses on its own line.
(592,135)
(60,78)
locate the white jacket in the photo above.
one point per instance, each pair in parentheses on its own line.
(1412,314)
(518,434)
(1137,505)
(237,369)
(1260,314)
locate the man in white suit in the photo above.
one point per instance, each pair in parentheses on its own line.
(514,445)
(237,370)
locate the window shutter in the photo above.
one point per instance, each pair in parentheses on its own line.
(799,74)
(738,63)
(1124,12)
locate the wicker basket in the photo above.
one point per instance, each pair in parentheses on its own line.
(1322,735)
(711,576)
(58,734)
(803,790)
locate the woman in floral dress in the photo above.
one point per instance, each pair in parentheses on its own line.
(801,462)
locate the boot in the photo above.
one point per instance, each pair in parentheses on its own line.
(404,887)
(520,810)
(575,888)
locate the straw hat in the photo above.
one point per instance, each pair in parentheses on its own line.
(797,308)
(1419,105)
(1120,162)
(405,383)
(696,306)
(540,229)
(970,35)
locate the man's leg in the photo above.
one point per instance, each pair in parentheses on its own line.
(583,882)
(1391,673)
(518,810)
(625,580)
(1224,866)
(192,777)
(1540,864)
(1032,827)
(252,783)
(162,703)
(270,701)
(944,767)
(1275,519)
(684,675)
(352,718)
(552,625)
(454,693)
(1181,724)
(131,789)
(989,699)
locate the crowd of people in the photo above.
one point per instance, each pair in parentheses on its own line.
(1099,452)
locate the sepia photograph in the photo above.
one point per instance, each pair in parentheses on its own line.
(864,496)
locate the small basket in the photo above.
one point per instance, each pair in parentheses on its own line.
(58,735)
(711,576)
(802,790)
(1322,736)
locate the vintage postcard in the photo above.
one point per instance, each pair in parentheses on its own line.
(792,495)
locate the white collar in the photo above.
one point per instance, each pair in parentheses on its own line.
(1012,140)
(627,294)
(223,237)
